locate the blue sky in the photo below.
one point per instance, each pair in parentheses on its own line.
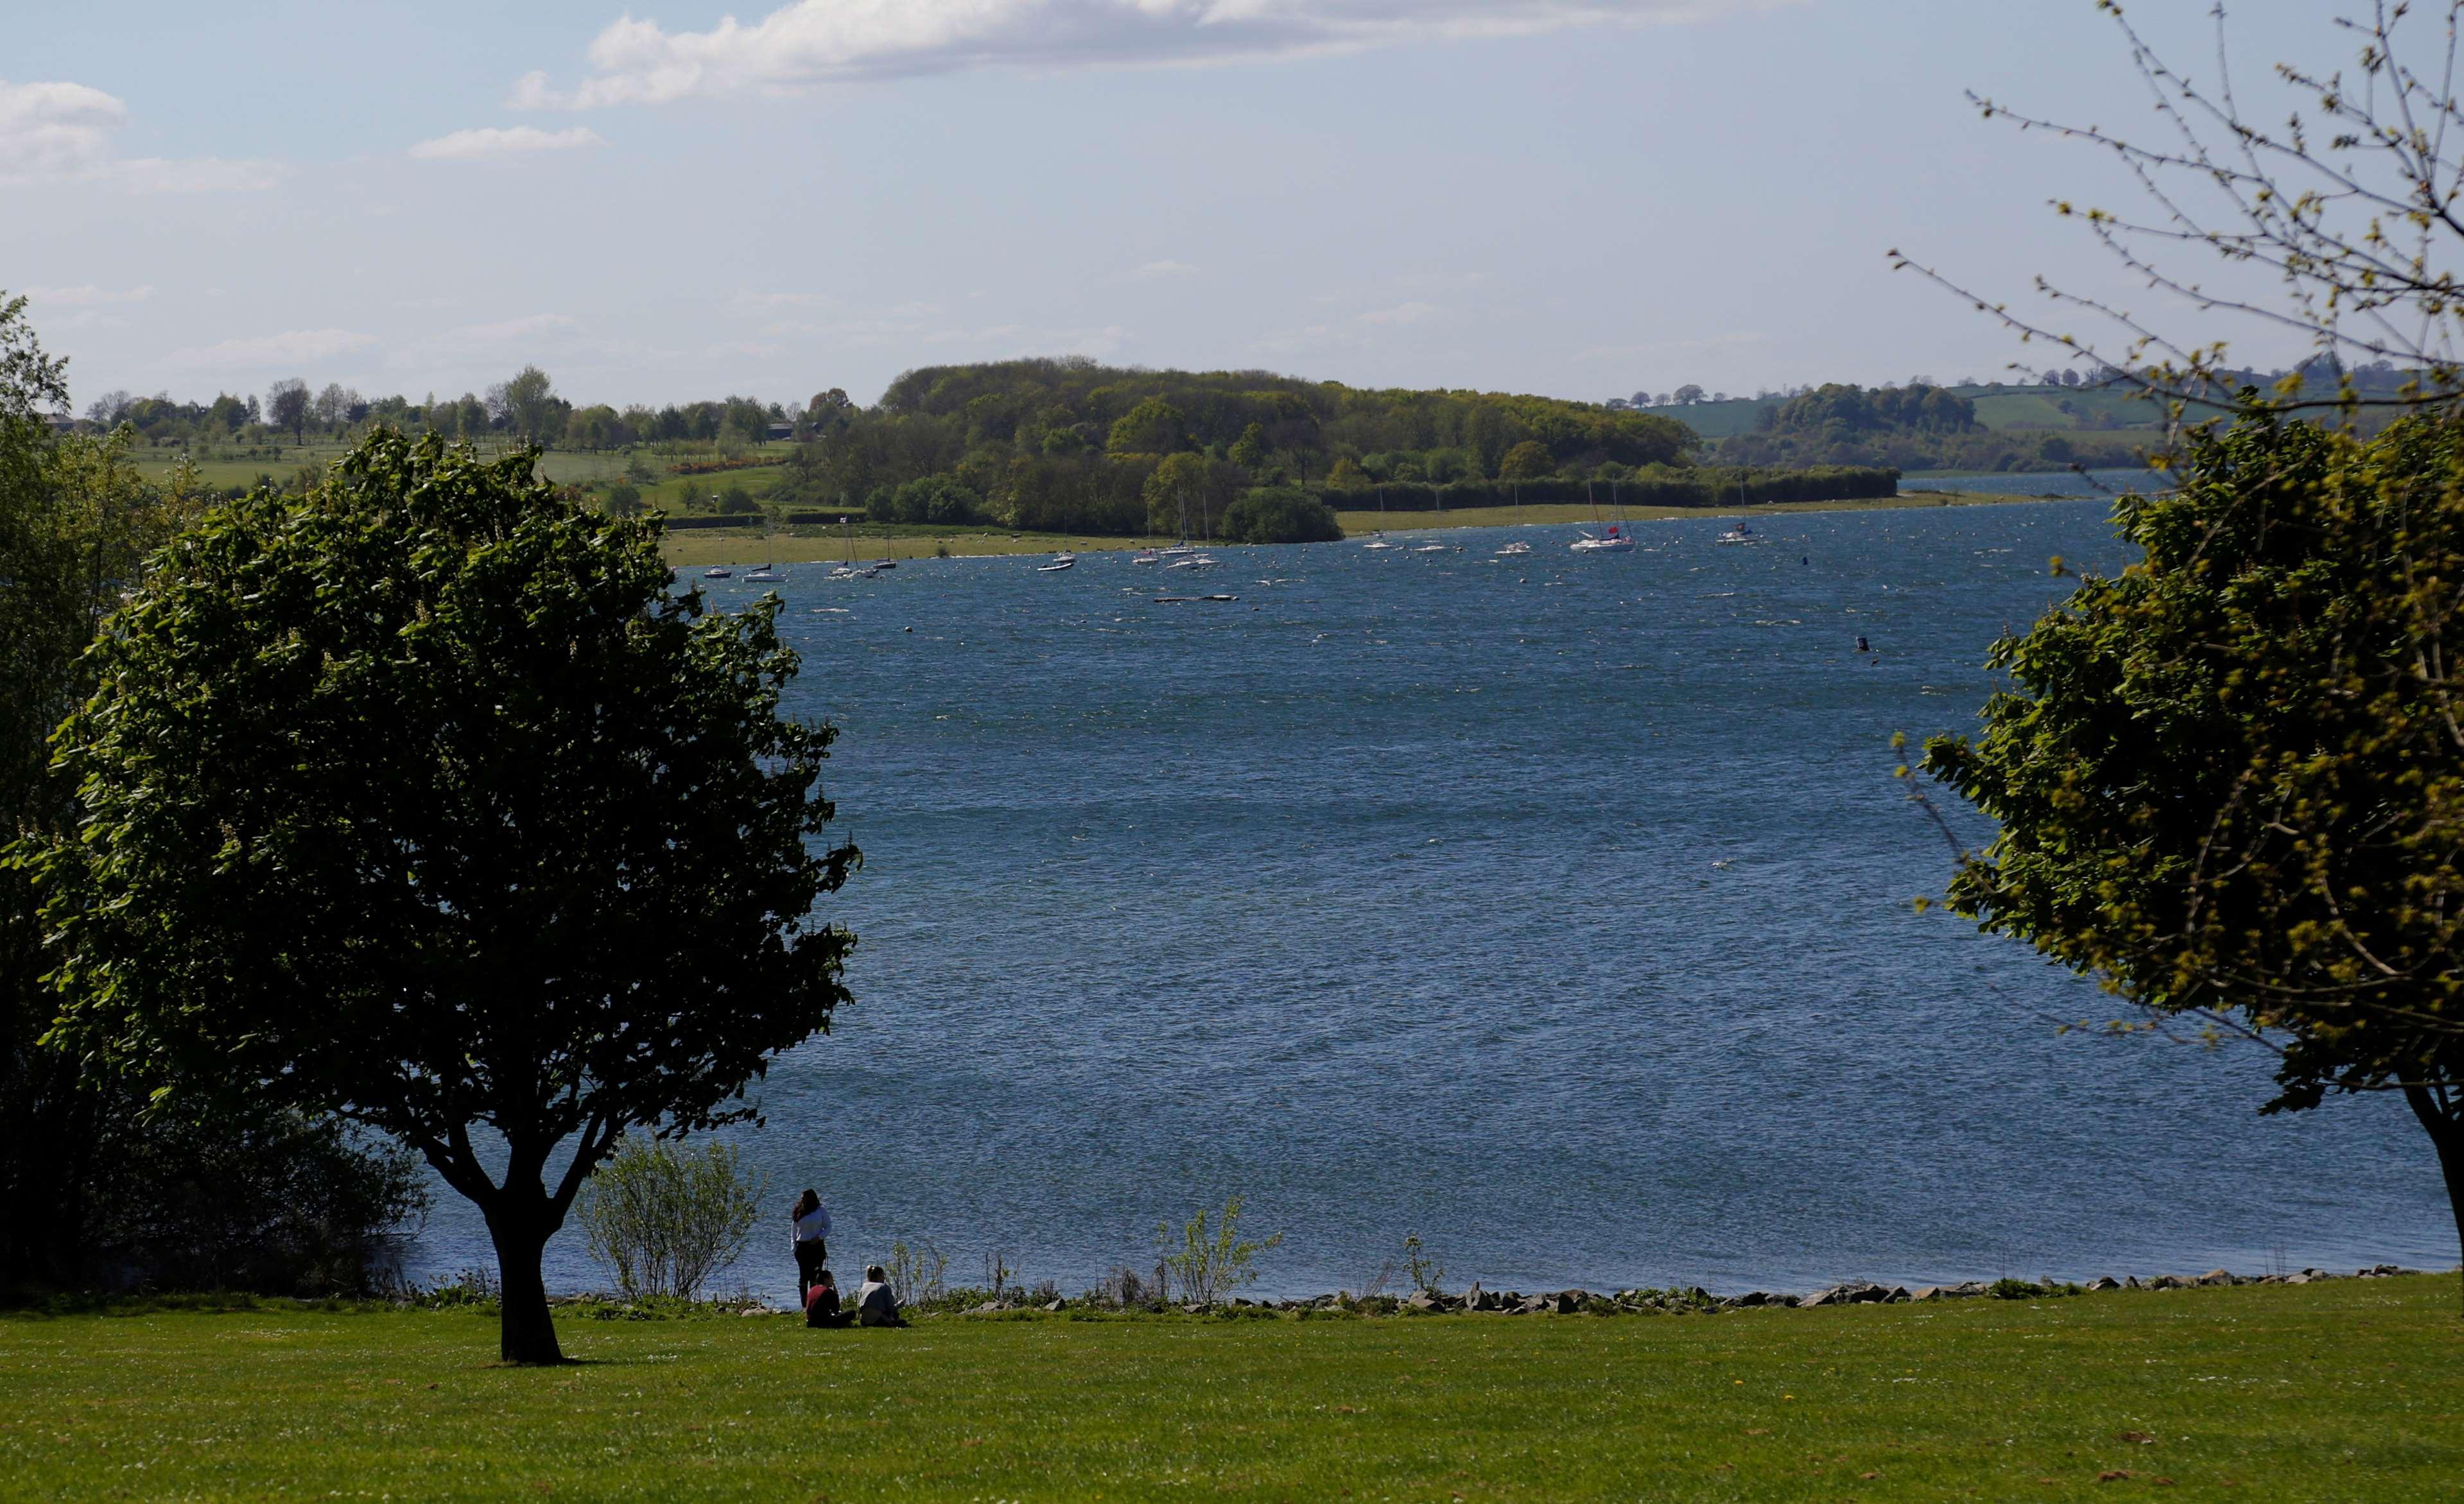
(1579,197)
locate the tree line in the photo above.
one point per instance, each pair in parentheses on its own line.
(525,408)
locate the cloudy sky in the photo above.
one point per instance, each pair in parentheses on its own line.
(1579,197)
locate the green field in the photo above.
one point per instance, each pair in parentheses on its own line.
(564,467)
(2352,1389)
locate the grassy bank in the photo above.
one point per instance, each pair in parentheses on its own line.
(2350,1390)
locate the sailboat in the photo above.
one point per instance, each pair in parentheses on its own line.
(847,570)
(1740,533)
(885,562)
(766,575)
(1612,539)
(1065,559)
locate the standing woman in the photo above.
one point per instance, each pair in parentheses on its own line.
(812,1230)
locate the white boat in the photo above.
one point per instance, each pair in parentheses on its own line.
(1381,543)
(1740,533)
(1146,556)
(851,570)
(1609,539)
(766,575)
(1196,560)
(1432,548)
(1060,561)
(1514,550)
(716,573)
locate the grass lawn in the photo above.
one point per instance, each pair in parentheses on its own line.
(2346,1390)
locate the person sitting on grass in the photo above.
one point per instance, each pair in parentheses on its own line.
(876,1304)
(822,1302)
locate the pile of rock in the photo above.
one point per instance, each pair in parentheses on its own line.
(1694,1300)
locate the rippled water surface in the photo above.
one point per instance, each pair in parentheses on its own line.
(1555,909)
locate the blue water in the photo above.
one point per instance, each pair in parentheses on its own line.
(2108,484)
(1556,909)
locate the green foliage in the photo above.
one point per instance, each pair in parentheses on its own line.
(1204,1265)
(1919,427)
(1153,427)
(660,1220)
(1068,445)
(1280,514)
(235,1193)
(2228,781)
(935,499)
(625,500)
(421,799)
(1186,491)
(736,502)
(1527,461)
(528,405)
(1426,1272)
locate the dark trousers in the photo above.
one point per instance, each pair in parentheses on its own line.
(812,1256)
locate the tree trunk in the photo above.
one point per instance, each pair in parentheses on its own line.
(2446,1134)
(527,1334)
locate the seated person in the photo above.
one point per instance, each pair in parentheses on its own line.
(822,1302)
(876,1304)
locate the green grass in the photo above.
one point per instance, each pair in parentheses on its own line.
(2348,1390)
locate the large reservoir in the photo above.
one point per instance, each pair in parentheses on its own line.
(1553,907)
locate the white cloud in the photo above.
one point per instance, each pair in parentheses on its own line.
(88,295)
(491,141)
(1155,270)
(59,132)
(292,347)
(822,41)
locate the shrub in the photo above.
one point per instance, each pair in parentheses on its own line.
(916,1273)
(935,499)
(663,1220)
(1280,514)
(735,502)
(1208,1266)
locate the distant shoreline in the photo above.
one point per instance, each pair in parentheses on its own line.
(704,547)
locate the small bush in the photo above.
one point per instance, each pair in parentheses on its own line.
(662,1220)
(1206,1266)
(1280,514)
(917,1273)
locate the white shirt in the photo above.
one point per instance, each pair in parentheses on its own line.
(812,1224)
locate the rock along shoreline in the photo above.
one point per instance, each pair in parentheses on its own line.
(1676,1301)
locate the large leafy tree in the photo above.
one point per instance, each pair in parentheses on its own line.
(2229,780)
(421,799)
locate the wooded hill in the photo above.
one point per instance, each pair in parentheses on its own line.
(1069,444)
